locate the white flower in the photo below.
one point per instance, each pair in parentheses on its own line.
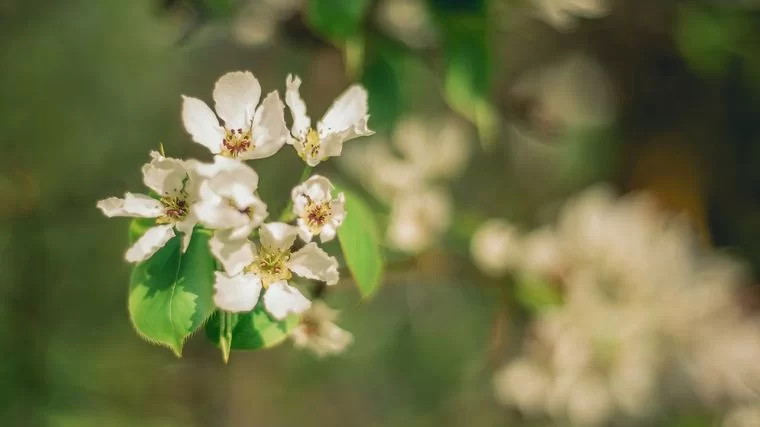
(248,269)
(407,20)
(346,119)
(318,332)
(563,14)
(418,219)
(495,247)
(176,186)
(317,211)
(249,132)
(228,199)
(743,416)
(256,22)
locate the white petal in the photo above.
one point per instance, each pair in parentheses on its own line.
(282,300)
(164,175)
(237,293)
(134,205)
(216,212)
(234,254)
(346,111)
(236,95)
(304,232)
(149,243)
(201,123)
(317,188)
(278,235)
(328,233)
(269,129)
(186,228)
(312,262)
(301,121)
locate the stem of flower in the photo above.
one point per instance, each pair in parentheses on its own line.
(287,214)
(225,334)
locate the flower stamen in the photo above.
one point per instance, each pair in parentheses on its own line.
(236,142)
(176,208)
(271,266)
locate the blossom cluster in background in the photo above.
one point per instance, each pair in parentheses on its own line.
(645,316)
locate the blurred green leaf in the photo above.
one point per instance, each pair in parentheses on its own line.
(170,294)
(359,239)
(253,330)
(138,227)
(536,294)
(336,20)
(703,40)
(381,79)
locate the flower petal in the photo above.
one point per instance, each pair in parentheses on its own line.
(186,228)
(237,293)
(282,300)
(164,175)
(301,121)
(317,188)
(236,95)
(134,205)
(216,212)
(328,233)
(278,235)
(149,243)
(269,129)
(201,123)
(312,262)
(234,254)
(346,112)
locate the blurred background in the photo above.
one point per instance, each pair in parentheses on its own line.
(485,108)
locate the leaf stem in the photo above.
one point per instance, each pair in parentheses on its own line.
(287,215)
(225,334)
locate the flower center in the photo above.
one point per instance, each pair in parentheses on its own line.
(236,142)
(176,208)
(271,266)
(312,144)
(316,215)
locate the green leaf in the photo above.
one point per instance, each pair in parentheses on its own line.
(138,227)
(253,330)
(359,239)
(703,40)
(336,20)
(170,295)
(536,294)
(381,79)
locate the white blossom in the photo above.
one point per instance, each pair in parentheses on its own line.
(270,266)
(418,219)
(228,199)
(346,119)
(175,185)
(563,14)
(495,247)
(743,416)
(409,21)
(250,130)
(319,333)
(317,211)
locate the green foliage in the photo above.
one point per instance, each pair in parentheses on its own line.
(253,330)
(381,78)
(170,294)
(360,243)
(536,294)
(337,20)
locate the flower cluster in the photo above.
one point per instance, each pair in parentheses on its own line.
(434,151)
(646,313)
(258,259)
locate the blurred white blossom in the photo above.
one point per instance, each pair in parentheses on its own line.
(319,333)
(407,20)
(495,247)
(644,309)
(563,14)
(256,22)
(418,219)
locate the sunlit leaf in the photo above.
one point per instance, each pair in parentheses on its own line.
(536,294)
(253,330)
(170,295)
(360,243)
(336,19)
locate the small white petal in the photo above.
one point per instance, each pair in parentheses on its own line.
(312,262)
(133,205)
(495,247)
(278,235)
(164,175)
(269,129)
(346,112)
(186,228)
(317,188)
(237,293)
(149,243)
(304,232)
(234,254)
(201,123)
(282,300)
(301,121)
(328,233)
(216,212)
(236,95)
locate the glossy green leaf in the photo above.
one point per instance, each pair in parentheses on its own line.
(170,295)
(359,239)
(381,78)
(702,40)
(536,294)
(253,330)
(336,19)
